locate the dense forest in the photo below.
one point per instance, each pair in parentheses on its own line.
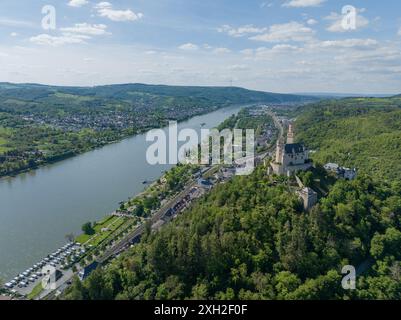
(251,239)
(358,132)
(41,124)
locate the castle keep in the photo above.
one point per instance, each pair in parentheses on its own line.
(290,157)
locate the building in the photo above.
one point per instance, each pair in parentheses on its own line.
(290,157)
(308,196)
(85,272)
(206,184)
(341,172)
(290,135)
(52,275)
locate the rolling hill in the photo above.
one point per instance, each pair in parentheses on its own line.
(356,132)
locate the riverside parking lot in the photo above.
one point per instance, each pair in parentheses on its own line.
(28,280)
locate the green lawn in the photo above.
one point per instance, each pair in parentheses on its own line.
(111,222)
(35,291)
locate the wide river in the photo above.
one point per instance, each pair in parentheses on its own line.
(37,209)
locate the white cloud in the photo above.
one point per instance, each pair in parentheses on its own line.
(105,9)
(303,3)
(347,43)
(46,39)
(238,67)
(221,50)
(311,22)
(399,31)
(86,28)
(77,3)
(292,31)
(247,52)
(77,34)
(189,47)
(15,23)
(13,34)
(266,5)
(240,31)
(337,19)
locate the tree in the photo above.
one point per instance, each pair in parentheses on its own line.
(307,179)
(286,282)
(88,229)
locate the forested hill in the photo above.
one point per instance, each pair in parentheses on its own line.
(250,239)
(14,95)
(358,132)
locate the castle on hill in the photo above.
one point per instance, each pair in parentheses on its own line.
(290,157)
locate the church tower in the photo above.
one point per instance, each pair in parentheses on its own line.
(279,151)
(290,135)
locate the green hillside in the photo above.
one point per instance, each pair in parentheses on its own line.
(363,133)
(250,239)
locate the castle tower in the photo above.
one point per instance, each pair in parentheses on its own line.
(290,135)
(279,151)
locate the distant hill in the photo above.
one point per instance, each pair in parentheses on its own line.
(340,95)
(133,92)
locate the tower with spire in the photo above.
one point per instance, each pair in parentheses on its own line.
(290,135)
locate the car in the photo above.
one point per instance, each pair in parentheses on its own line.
(9,285)
(22,284)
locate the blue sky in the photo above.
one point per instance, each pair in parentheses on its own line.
(276,45)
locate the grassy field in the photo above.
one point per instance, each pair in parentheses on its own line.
(35,291)
(111,223)
(4,134)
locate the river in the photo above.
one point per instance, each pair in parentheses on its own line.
(38,208)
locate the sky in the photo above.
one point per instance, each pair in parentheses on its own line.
(273,45)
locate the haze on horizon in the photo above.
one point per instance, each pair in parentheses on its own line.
(278,46)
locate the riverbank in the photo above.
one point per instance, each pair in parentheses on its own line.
(39,208)
(69,155)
